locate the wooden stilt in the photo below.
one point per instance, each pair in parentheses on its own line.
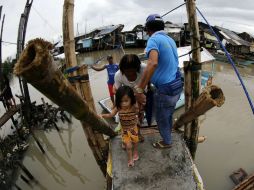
(17,187)
(196,66)
(25,179)
(187,94)
(1,35)
(26,171)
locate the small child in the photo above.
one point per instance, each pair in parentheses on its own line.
(112,68)
(127,110)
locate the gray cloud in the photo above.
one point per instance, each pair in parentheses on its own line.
(46,16)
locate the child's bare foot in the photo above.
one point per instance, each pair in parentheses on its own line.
(135,156)
(130,163)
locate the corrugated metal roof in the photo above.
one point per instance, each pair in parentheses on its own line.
(107,29)
(172,30)
(232,37)
(171,25)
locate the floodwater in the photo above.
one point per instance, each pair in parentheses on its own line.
(230,130)
(69,163)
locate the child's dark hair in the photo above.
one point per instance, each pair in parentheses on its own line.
(129,61)
(121,92)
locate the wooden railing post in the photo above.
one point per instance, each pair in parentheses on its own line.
(95,139)
(195,70)
(187,95)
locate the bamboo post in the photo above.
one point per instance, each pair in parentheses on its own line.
(20,46)
(95,139)
(88,97)
(1,7)
(211,96)
(187,95)
(1,35)
(36,66)
(196,66)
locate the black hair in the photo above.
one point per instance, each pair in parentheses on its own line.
(154,25)
(121,92)
(109,57)
(129,61)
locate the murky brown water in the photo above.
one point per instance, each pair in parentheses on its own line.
(229,129)
(69,163)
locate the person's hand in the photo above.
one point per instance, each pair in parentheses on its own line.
(141,98)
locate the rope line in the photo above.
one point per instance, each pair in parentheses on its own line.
(190,52)
(45,20)
(173,9)
(230,60)
(12,43)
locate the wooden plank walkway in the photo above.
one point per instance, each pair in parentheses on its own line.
(8,114)
(157,169)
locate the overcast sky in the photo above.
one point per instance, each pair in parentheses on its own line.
(45,19)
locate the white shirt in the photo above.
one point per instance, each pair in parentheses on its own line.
(121,79)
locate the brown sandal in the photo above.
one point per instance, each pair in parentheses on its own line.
(161,145)
(135,157)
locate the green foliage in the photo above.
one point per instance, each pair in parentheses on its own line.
(7,66)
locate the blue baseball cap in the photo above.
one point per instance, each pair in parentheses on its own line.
(154,17)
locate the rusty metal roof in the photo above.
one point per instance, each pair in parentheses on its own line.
(232,38)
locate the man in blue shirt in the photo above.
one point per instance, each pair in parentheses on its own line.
(162,71)
(112,68)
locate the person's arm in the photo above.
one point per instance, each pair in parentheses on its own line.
(147,75)
(110,115)
(118,82)
(98,68)
(136,108)
(149,70)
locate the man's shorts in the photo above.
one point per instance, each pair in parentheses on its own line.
(110,89)
(130,135)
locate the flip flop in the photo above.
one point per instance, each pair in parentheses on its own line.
(135,157)
(161,145)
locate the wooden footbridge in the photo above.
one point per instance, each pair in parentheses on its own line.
(157,169)
(171,169)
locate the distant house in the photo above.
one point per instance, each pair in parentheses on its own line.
(106,37)
(207,36)
(141,35)
(234,43)
(85,44)
(248,38)
(207,39)
(130,39)
(174,31)
(137,37)
(58,48)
